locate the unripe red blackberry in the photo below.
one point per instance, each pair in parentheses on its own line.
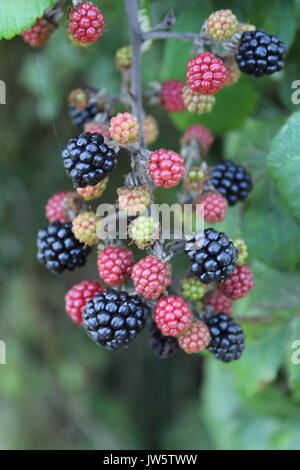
(115,264)
(195,339)
(96,127)
(86,23)
(171,96)
(151,277)
(92,192)
(77,297)
(200,134)
(221,25)
(38,34)
(133,200)
(165,168)
(84,227)
(172,315)
(212,206)
(196,102)
(206,73)
(144,231)
(124,129)
(55,209)
(239,283)
(150,128)
(219,302)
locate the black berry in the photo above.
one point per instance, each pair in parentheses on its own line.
(59,250)
(113,319)
(227,338)
(162,346)
(87,159)
(231,180)
(82,114)
(259,53)
(213,256)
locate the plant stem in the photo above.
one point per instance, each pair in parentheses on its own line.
(137,39)
(170,35)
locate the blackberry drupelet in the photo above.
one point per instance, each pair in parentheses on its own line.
(259,53)
(87,159)
(227,338)
(85,110)
(162,346)
(58,248)
(212,254)
(231,180)
(113,319)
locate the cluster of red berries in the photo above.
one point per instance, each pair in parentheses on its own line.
(199,316)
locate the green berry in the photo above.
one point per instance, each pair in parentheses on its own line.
(123,57)
(144,231)
(242,250)
(192,288)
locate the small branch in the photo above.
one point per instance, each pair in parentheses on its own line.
(170,35)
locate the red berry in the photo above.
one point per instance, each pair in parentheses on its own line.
(115,264)
(151,277)
(77,298)
(39,33)
(55,208)
(239,283)
(212,206)
(86,23)
(206,73)
(195,339)
(172,315)
(219,303)
(165,168)
(199,133)
(171,96)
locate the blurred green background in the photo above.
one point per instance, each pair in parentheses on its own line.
(58,390)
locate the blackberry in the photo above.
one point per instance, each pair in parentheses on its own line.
(212,254)
(227,338)
(58,248)
(162,346)
(231,180)
(82,106)
(87,159)
(113,319)
(259,53)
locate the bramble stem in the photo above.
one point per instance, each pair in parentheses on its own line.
(170,35)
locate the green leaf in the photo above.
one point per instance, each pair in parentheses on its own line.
(284,164)
(269,231)
(17,15)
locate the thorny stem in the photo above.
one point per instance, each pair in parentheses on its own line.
(170,35)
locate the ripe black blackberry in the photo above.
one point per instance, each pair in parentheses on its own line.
(212,254)
(87,159)
(82,106)
(231,180)
(113,319)
(227,338)
(162,346)
(259,53)
(58,249)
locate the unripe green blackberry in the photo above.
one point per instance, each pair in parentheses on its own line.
(84,227)
(123,58)
(221,25)
(196,179)
(197,103)
(242,250)
(192,288)
(144,231)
